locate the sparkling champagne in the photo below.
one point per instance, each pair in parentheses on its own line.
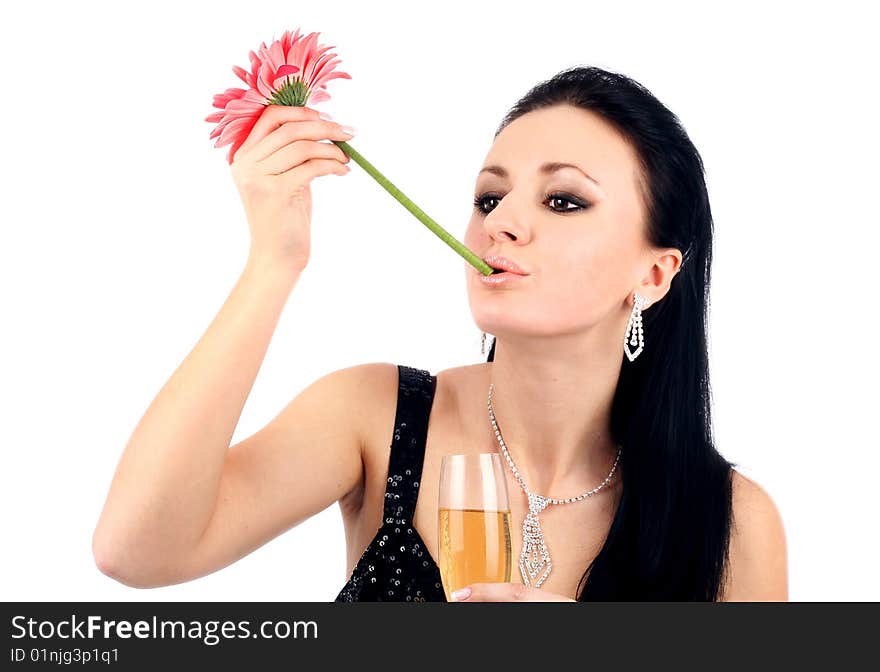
(474,547)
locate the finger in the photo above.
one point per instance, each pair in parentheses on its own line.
(497,592)
(295,153)
(271,118)
(288,133)
(305,172)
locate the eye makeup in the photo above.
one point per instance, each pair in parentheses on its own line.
(549,199)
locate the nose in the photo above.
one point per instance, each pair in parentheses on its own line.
(503,224)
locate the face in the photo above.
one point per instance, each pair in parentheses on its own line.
(581,240)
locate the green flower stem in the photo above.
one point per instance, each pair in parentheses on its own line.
(444,235)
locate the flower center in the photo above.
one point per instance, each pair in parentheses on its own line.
(293,92)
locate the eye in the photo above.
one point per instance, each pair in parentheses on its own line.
(480,200)
(565,199)
(553,198)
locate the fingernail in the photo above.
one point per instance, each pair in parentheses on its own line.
(347,129)
(325,116)
(461,594)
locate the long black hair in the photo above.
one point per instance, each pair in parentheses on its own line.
(670,534)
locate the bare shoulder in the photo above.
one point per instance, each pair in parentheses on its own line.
(375,386)
(383,382)
(758,562)
(369,388)
(380,383)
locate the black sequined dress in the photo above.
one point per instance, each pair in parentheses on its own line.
(396,566)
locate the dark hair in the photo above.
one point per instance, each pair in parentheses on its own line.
(670,534)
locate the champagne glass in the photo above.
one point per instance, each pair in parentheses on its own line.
(474,525)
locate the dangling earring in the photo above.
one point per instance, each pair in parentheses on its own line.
(483,344)
(635,325)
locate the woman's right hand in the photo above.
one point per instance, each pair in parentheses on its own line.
(272,170)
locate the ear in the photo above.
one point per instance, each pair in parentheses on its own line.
(664,265)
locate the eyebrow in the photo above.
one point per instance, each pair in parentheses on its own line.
(546,168)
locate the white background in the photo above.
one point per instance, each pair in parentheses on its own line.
(123,234)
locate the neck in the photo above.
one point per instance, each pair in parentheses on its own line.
(552,404)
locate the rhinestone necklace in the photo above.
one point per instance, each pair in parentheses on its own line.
(534,558)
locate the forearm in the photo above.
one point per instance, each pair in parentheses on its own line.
(165,486)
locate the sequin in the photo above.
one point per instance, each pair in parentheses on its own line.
(383,574)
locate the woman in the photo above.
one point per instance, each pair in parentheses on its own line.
(595,193)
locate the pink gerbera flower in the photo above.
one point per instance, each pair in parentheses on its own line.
(291,71)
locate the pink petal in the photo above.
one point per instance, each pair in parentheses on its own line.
(254,96)
(235,129)
(256,62)
(218,129)
(233,149)
(308,49)
(264,81)
(287,69)
(313,65)
(242,74)
(318,96)
(276,55)
(241,106)
(333,75)
(229,94)
(288,39)
(323,71)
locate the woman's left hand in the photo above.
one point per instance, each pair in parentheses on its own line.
(507,592)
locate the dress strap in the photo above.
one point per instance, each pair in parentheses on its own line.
(415,396)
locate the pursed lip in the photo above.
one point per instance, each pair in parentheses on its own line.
(504,264)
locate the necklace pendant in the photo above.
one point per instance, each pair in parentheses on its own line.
(534,559)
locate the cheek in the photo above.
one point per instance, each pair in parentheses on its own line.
(475,236)
(585,267)
(599,262)
(587,281)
